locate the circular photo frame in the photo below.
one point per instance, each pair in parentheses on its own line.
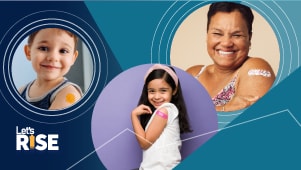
(94,76)
(189,42)
(112,133)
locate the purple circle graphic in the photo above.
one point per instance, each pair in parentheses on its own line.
(112,132)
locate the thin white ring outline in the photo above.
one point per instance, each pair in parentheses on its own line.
(192,8)
(9,58)
(65,26)
(202,3)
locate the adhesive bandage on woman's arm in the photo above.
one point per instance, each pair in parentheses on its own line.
(161,114)
(259,72)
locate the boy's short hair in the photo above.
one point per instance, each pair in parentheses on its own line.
(32,36)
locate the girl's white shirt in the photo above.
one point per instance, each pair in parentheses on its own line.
(165,151)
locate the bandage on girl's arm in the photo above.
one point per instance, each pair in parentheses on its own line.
(155,128)
(161,114)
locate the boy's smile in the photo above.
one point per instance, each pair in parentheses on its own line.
(52,53)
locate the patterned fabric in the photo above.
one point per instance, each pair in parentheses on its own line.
(226,94)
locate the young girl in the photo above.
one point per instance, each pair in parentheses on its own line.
(160,118)
(52,51)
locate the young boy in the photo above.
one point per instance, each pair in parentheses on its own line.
(52,51)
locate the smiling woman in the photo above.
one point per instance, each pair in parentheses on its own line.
(51,52)
(228,80)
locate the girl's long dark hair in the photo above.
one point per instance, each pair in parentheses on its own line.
(177,99)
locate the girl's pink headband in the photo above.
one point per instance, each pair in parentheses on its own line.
(165,68)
